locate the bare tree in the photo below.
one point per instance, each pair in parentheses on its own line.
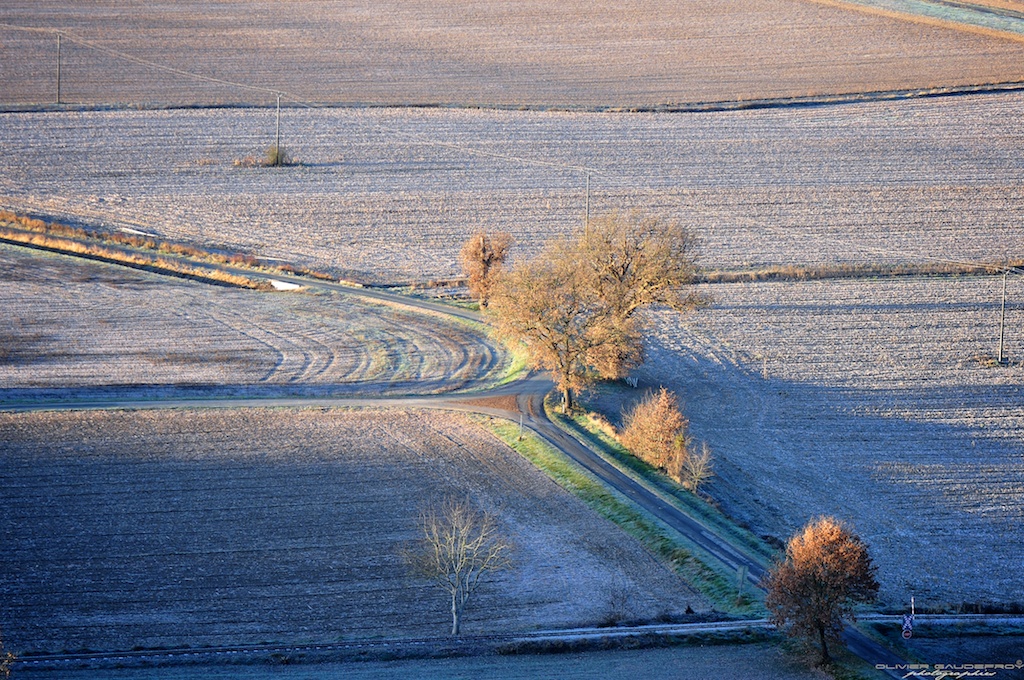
(458,548)
(483,258)
(656,432)
(825,571)
(697,469)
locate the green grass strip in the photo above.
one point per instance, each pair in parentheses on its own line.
(654,535)
(582,426)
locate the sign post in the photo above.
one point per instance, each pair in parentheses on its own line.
(908,622)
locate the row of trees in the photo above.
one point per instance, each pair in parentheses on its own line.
(576,309)
(825,572)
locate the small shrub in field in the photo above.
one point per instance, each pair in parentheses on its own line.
(273,157)
(656,432)
(276,156)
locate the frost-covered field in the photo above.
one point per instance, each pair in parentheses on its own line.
(223,527)
(73,327)
(571,53)
(392,193)
(865,399)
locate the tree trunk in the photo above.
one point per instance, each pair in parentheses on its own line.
(456,615)
(566,400)
(825,658)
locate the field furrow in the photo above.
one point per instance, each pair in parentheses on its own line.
(238,527)
(875,401)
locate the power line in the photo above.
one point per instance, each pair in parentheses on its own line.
(295,99)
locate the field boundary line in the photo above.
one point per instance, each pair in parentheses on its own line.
(918,18)
(422,647)
(680,107)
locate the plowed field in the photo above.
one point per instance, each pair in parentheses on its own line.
(153,528)
(392,194)
(872,401)
(79,329)
(573,53)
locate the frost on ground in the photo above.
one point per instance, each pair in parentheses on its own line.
(570,53)
(871,401)
(156,528)
(77,327)
(390,194)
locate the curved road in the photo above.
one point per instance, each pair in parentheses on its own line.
(528,396)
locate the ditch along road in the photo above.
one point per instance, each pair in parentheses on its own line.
(520,401)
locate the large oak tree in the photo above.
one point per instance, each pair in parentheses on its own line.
(575,306)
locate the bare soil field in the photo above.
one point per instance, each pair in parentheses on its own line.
(78,328)
(391,193)
(162,528)
(866,400)
(572,53)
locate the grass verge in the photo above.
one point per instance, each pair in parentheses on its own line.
(855,271)
(157,265)
(583,426)
(668,545)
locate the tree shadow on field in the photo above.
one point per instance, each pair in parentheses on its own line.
(921,490)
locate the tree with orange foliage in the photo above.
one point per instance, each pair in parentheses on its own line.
(826,571)
(655,431)
(483,257)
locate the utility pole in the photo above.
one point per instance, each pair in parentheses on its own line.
(586,217)
(58,69)
(277,135)
(1002,321)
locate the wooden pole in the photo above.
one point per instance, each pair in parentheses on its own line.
(1002,321)
(58,69)
(586,217)
(277,135)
